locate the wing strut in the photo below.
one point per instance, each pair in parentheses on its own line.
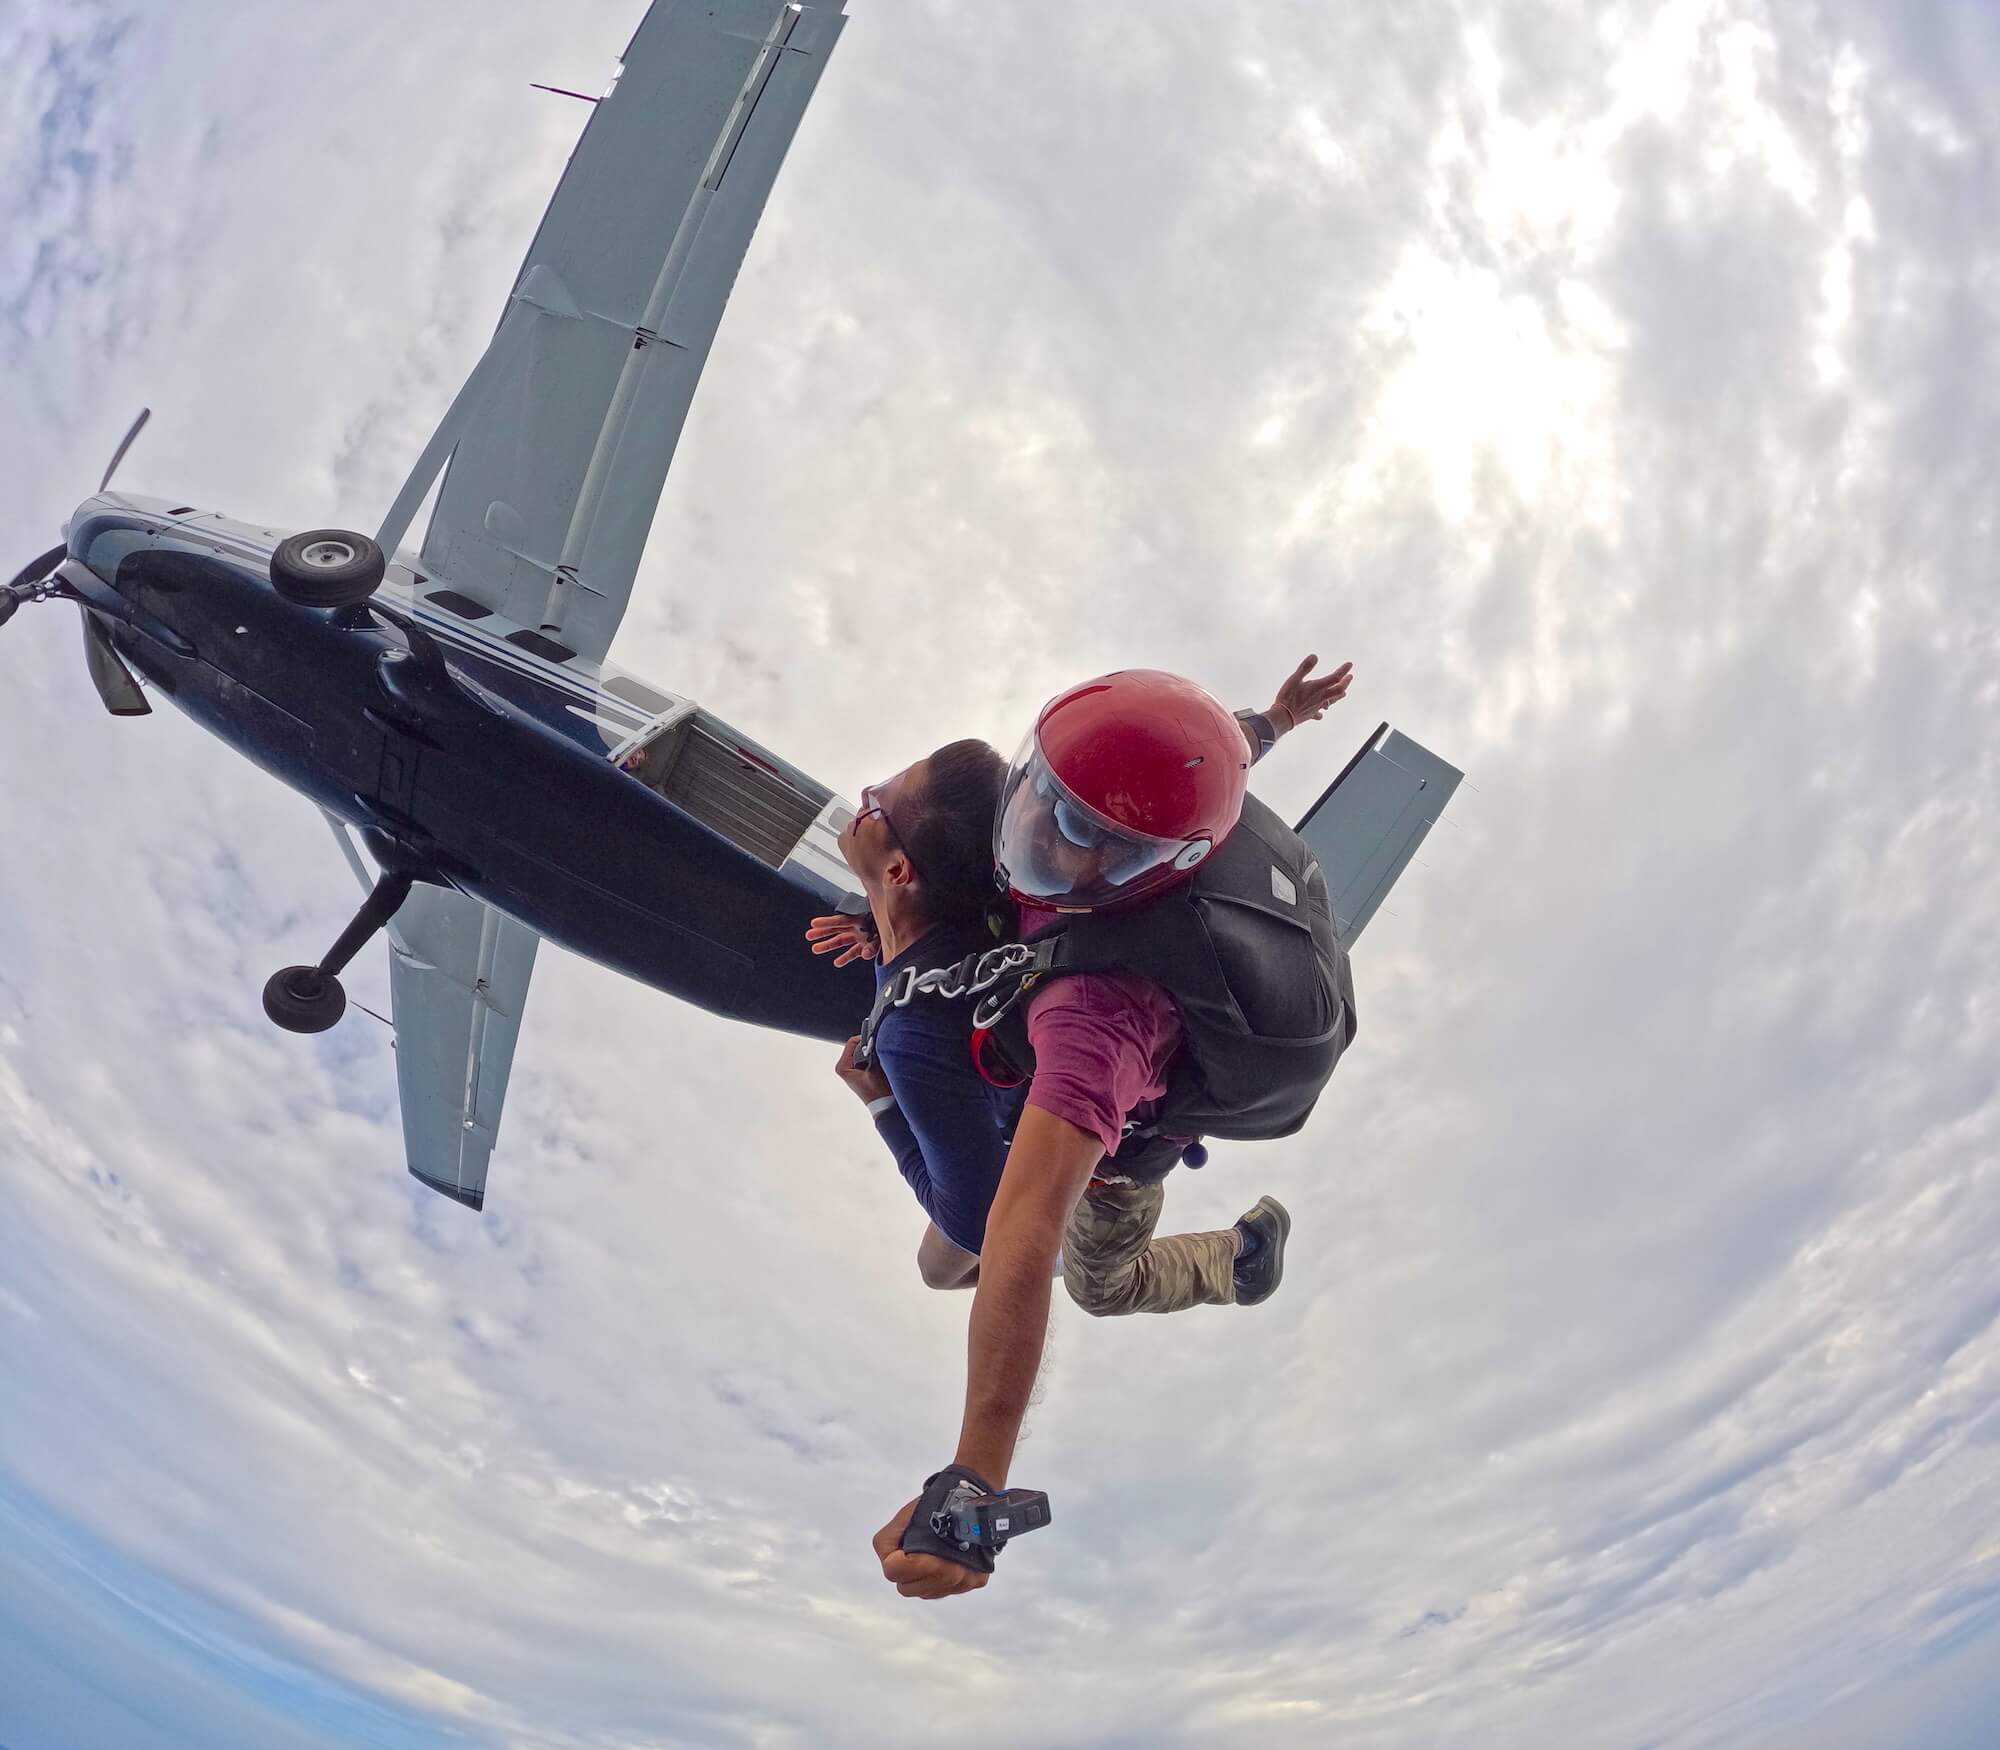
(496,365)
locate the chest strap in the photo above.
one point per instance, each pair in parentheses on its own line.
(997,976)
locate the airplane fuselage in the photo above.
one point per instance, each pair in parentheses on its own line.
(477,763)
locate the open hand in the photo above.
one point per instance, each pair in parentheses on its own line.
(846,938)
(1303,700)
(918,1576)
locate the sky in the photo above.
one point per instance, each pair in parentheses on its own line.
(1617,390)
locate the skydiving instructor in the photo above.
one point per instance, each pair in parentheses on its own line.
(1120,794)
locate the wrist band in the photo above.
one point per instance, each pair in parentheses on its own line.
(921,1538)
(1261,728)
(877,1107)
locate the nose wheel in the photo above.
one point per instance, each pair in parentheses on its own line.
(303,999)
(309,999)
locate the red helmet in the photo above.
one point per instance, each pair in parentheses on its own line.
(1124,785)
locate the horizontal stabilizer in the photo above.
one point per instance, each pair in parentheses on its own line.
(1369,823)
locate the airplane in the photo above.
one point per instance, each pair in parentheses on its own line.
(452,711)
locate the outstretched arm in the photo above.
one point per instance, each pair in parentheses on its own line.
(1303,698)
(1047,1168)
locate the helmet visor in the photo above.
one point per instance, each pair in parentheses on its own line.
(1054,850)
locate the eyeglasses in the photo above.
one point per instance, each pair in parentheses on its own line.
(872,803)
(874,800)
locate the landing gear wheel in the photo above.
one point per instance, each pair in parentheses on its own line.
(327,568)
(303,999)
(9,606)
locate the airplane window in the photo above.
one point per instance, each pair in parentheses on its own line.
(461,605)
(536,645)
(634,693)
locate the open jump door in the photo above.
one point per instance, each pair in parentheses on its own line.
(1369,822)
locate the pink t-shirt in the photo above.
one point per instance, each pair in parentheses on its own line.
(1102,1042)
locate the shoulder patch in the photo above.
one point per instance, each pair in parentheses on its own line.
(1282,887)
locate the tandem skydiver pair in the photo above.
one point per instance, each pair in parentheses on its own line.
(1088,960)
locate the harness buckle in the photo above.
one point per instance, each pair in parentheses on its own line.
(968,977)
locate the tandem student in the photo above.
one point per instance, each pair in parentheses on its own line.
(921,846)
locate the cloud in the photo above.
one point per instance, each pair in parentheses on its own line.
(1618,399)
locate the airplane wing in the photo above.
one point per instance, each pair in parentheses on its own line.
(1370,821)
(559,441)
(458,977)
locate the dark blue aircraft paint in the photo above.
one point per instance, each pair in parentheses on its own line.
(474,770)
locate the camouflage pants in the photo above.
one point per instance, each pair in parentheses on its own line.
(1112,1264)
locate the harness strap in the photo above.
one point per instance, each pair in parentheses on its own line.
(976,975)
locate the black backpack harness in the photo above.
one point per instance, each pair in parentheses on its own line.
(1245,948)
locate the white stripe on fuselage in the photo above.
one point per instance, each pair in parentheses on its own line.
(577,680)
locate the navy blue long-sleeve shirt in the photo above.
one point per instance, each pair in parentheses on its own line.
(949,1130)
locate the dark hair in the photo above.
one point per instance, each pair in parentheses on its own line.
(947,827)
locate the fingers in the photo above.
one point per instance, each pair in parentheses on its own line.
(929,1577)
(1329,689)
(1305,668)
(889,1540)
(916,1576)
(842,937)
(968,1581)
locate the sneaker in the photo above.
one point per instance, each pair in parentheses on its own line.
(1258,1274)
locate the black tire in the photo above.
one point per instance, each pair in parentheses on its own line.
(9,606)
(327,568)
(303,999)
